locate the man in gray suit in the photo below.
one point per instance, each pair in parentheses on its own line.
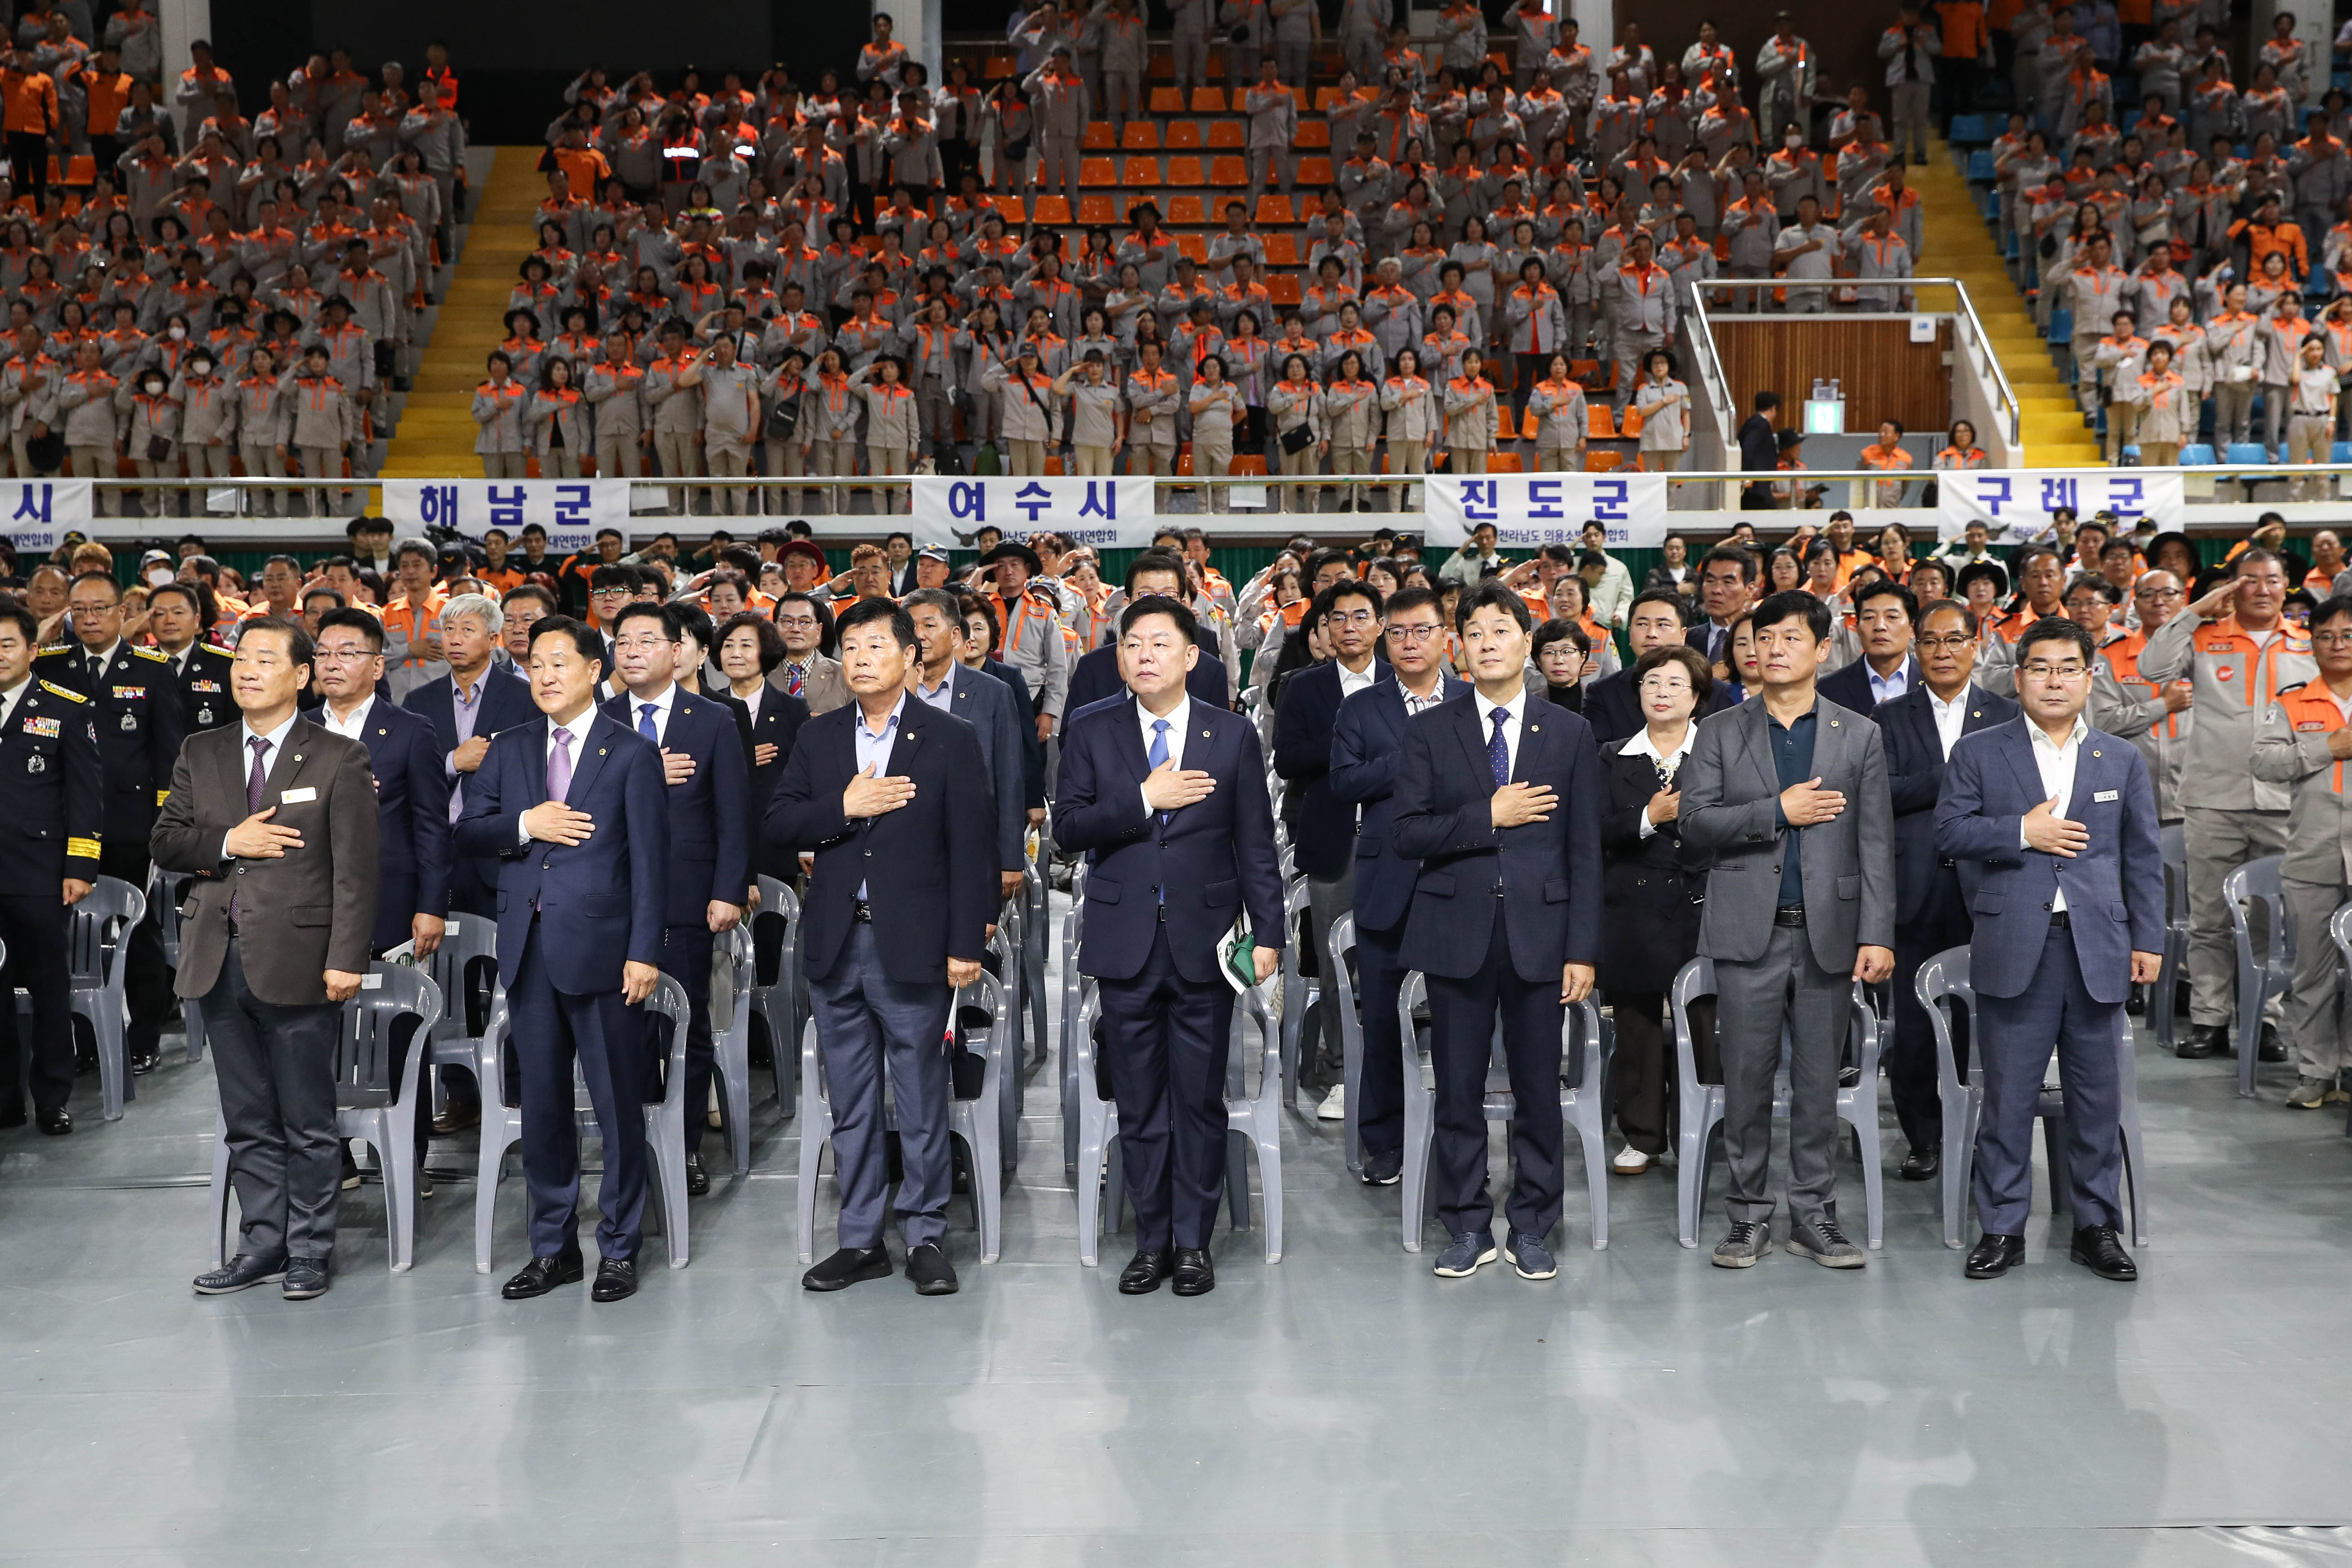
(276,819)
(1788,794)
(949,685)
(805,673)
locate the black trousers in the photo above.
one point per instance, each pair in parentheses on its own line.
(1167,1040)
(1380,976)
(1641,1074)
(276,1069)
(28,159)
(33,925)
(1462,1016)
(1910,1056)
(147,980)
(686,958)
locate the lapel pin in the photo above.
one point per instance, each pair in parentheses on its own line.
(1204,734)
(298,756)
(600,751)
(2094,754)
(1535,728)
(1832,724)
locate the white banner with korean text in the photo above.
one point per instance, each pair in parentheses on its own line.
(2015,504)
(571,510)
(37,513)
(1109,512)
(1531,510)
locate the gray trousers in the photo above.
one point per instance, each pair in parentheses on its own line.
(864,1020)
(1326,902)
(276,1069)
(1294,61)
(1753,1001)
(2315,1020)
(1192,51)
(1910,120)
(2219,843)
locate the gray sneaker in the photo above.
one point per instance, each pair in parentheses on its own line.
(2310,1093)
(1529,1256)
(1826,1245)
(1464,1253)
(1750,1240)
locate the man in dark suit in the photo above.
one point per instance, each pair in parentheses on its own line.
(1323,827)
(1787,793)
(708,794)
(1919,729)
(1365,744)
(1166,795)
(1498,797)
(898,553)
(951,687)
(50,796)
(277,819)
(2053,824)
(134,693)
(1097,674)
(1727,578)
(893,797)
(573,808)
(479,699)
(1612,705)
(412,793)
(1884,614)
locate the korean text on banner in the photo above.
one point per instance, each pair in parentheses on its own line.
(1531,510)
(2015,505)
(571,510)
(1108,514)
(38,512)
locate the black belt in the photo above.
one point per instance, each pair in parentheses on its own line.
(859,909)
(2059,920)
(1789,915)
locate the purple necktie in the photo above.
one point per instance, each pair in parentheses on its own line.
(559,766)
(257,784)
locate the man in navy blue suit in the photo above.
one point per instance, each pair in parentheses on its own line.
(479,698)
(893,798)
(948,684)
(1365,744)
(2053,824)
(1499,796)
(709,788)
(1097,674)
(1883,613)
(573,808)
(1166,793)
(1323,827)
(1917,732)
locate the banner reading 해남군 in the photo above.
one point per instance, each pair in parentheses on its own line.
(2015,504)
(36,513)
(1531,510)
(1108,512)
(571,510)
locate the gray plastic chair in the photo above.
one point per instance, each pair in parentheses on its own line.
(2261,979)
(98,955)
(1037,926)
(1340,947)
(979,1122)
(2164,1012)
(774,994)
(665,1125)
(2339,931)
(1011,1020)
(466,968)
(1701,1104)
(371,1103)
(1073,925)
(1300,995)
(730,964)
(1582,1103)
(1252,1122)
(166,893)
(1943,989)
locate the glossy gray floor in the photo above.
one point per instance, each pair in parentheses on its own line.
(1341,1406)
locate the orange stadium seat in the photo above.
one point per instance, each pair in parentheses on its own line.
(1186,172)
(1600,423)
(1209,100)
(1167,101)
(1097,172)
(1095,211)
(1281,249)
(1051,210)
(1098,137)
(1195,246)
(1141,171)
(1140,136)
(1248,464)
(1009,208)
(1532,429)
(1603,462)
(1283,288)
(999,68)
(1315,172)
(1184,210)
(1312,134)
(1163,67)
(1503,462)
(1228,171)
(80,170)
(1325,96)
(1183,135)
(1272,207)
(1052,467)
(1184,461)
(1227,136)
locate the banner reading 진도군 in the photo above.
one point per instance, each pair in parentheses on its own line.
(1531,510)
(2015,504)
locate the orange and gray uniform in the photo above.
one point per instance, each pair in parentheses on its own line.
(1033,644)
(2126,703)
(2231,814)
(2294,750)
(409,660)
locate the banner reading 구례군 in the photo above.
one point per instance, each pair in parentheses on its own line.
(2016,505)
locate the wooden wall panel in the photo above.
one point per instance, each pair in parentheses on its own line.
(1886,375)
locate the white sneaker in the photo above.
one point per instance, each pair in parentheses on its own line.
(1630,1162)
(1334,1105)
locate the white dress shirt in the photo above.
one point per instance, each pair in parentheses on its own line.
(662,703)
(1888,688)
(1352,681)
(578,729)
(8,700)
(2056,763)
(1949,719)
(1515,710)
(1668,763)
(1178,717)
(354,728)
(246,736)
(752,702)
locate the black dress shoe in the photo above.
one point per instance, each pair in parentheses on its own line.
(617,1279)
(144,1062)
(1384,1169)
(1994,1256)
(56,1120)
(929,1267)
(542,1275)
(242,1272)
(697,1180)
(2098,1248)
(1921,1165)
(306,1278)
(849,1266)
(2273,1049)
(1145,1270)
(2202,1040)
(1194,1274)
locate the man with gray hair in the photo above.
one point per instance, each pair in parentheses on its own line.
(477,698)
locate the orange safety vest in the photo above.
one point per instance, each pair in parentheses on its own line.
(2122,658)
(2311,710)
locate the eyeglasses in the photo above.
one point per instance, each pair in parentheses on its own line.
(1354,618)
(2333,640)
(1412,634)
(2041,671)
(1952,642)
(797,622)
(1666,686)
(341,655)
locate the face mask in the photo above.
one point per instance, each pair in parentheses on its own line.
(154,388)
(176,334)
(158,575)
(203,367)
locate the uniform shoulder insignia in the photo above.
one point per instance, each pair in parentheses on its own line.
(53,649)
(70,695)
(158,655)
(224,652)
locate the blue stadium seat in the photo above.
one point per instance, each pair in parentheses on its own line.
(2340,453)
(2008,251)
(2340,81)
(2131,118)
(2062,326)
(2196,454)
(2131,453)
(1981,166)
(1970,131)
(2249,452)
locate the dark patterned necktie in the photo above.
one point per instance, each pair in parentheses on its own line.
(1498,750)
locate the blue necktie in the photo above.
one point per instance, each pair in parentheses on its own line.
(645,722)
(1498,750)
(1159,756)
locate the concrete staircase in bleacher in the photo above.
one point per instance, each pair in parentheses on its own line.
(435,439)
(1960,245)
